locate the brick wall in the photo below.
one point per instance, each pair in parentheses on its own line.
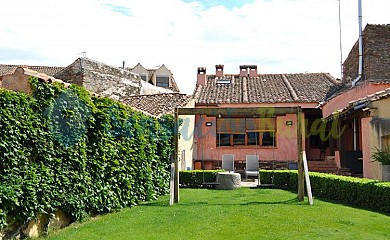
(376,55)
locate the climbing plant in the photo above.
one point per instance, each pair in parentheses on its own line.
(61,148)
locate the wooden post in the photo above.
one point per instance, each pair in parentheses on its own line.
(307,178)
(176,156)
(172,180)
(301,179)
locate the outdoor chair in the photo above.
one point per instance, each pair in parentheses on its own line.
(251,166)
(228,162)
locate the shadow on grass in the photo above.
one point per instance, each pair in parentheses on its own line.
(293,201)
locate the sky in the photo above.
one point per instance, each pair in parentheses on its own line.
(279,36)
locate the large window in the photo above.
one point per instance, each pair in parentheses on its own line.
(246,131)
(162,81)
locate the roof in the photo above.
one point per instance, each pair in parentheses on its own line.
(152,74)
(6,69)
(106,80)
(158,104)
(267,88)
(362,102)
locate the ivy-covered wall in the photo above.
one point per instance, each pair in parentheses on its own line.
(64,149)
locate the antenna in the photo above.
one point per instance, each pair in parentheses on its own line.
(341,46)
(83,54)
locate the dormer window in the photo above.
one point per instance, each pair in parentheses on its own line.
(162,81)
(143,77)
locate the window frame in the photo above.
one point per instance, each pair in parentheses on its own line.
(233,126)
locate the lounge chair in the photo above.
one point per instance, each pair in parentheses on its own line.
(251,166)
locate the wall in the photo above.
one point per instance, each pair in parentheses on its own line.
(342,100)
(376,44)
(286,140)
(373,138)
(17,81)
(370,139)
(186,141)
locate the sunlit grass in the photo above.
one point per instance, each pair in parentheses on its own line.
(237,214)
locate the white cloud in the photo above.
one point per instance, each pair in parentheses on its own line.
(279,36)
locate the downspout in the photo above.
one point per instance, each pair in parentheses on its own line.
(359,77)
(354,134)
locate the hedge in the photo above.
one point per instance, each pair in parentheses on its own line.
(65,149)
(360,192)
(197,178)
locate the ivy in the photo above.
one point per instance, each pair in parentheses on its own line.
(65,149)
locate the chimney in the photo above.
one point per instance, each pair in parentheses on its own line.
(253,71)
(123,64)
(243,71)
(201,76)
(219,70)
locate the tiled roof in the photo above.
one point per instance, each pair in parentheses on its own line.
(363,101)
(157,104)
(9,69)
(106,80)
(267,88)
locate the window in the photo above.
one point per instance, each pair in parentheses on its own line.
(162,81)
(143,77)
(246,131)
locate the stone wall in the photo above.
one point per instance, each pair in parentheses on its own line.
(376,52)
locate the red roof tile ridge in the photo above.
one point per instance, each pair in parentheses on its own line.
(290,88)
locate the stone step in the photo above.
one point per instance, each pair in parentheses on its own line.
(322,166)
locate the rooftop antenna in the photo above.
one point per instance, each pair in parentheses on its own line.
(341,46)
(83,54)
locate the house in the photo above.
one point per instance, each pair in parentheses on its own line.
(269,132)
(361,107)
(105,80)
(158,105)
(18,80)
(6,69)
(160,76)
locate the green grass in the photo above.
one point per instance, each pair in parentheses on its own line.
(237,214)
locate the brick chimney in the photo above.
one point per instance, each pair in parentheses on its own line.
(243,70)
(253,71)
(219,70)
(201,76)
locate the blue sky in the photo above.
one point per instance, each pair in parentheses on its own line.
(280,36)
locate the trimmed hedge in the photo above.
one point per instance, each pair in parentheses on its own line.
(360,192)
(65,149)
(197,178)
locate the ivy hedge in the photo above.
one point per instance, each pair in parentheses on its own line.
(360,192)
(65,149)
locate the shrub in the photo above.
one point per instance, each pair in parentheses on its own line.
(381,155)
(197,178)
(360,192)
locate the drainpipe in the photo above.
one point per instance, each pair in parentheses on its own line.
(354,135)
(359,77)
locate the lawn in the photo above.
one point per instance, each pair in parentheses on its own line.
(237,214)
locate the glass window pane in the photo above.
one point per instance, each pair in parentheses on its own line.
(253,138)
(223,139)
(267,139)
(239,139)
(162,81)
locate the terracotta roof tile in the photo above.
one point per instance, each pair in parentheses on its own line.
(157,104)
(267,88)
(9,69)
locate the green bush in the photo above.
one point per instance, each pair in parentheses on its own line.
(360,192)
(64,149)
(197,178)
